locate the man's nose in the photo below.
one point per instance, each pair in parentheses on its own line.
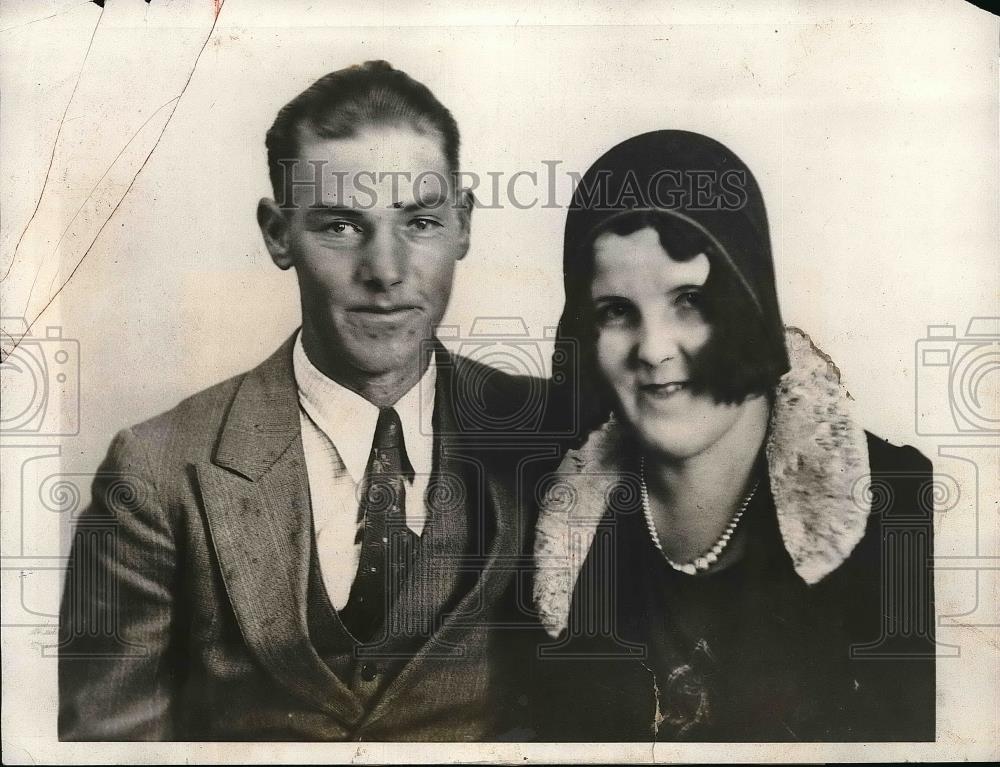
(658,342)
(384,262)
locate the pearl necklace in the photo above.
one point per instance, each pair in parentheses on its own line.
(710,557)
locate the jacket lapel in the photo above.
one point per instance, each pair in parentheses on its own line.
(499,536)
(497,508)
(256,496)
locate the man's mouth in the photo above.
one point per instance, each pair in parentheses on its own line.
(384,309)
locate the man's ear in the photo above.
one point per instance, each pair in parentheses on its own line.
(273,225)
(466,202)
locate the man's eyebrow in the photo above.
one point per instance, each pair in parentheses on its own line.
(435,200)
(320,209)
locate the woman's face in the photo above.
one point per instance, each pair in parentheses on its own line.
(650,323)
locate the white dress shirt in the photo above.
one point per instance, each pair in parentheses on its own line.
(338,426)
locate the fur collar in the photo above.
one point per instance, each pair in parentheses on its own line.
(815,455)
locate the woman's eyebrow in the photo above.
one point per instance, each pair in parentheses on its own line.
(608,297)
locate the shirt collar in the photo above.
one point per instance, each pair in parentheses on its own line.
(348,419)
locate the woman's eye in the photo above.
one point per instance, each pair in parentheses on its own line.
(613,314)
(691,299)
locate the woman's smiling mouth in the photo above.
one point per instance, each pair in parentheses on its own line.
(662,391)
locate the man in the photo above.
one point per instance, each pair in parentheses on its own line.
(326,546)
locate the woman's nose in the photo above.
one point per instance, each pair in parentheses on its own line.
(658,342)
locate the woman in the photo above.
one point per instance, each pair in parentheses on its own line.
(725,555)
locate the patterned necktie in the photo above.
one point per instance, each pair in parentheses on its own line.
(387,543)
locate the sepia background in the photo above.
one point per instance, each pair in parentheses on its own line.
(132,159)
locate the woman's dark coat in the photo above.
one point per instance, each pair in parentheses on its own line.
(821,632)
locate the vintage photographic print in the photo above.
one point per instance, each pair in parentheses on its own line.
(519,383)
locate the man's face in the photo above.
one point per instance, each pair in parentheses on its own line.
(374,244)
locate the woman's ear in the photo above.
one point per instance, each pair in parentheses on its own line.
(273,225)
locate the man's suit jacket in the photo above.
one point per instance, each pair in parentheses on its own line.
(184,614)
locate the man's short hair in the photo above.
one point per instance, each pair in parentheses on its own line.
(340,103)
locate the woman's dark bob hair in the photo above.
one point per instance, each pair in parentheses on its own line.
(700,198)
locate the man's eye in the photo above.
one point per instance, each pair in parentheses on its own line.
(344,227)
(424,224)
